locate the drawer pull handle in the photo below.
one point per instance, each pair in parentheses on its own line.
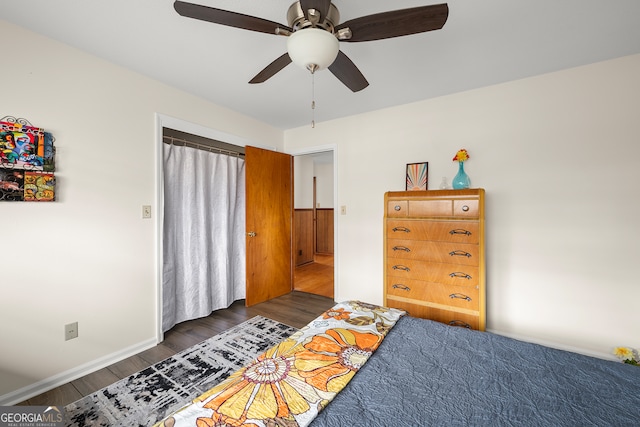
(401,248)
(396,208)
(460,323)
(401,267)
(460,253)
(403,287)
(460,231)
(465,208)
(460,296)
(403,229)
(460,275)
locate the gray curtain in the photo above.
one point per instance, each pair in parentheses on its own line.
(203,233)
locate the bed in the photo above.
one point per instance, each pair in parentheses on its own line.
(363,365)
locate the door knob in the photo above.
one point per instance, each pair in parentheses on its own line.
(251,234)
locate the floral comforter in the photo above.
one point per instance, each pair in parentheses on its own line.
(292,382)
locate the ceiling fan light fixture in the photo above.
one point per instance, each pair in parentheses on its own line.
(312,48)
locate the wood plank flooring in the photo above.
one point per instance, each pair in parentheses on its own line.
(315,277)
(295,309)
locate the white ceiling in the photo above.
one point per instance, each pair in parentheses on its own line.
(484,42)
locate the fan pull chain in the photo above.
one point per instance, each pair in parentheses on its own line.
(313,99)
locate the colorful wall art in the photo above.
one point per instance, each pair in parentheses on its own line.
(27,163)
(417,176)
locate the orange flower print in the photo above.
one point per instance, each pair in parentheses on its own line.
(336,313)
(217,420)
(332,359)
(269,387)
(369,308)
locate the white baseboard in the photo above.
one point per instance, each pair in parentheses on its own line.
(556,345)
(57,380)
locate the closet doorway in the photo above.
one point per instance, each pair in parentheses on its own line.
(176,129)
(314,223)
(203,238)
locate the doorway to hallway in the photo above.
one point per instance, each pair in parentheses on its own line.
(314,219)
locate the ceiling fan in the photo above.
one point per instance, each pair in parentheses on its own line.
(314,32)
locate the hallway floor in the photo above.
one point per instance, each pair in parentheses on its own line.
(316,277)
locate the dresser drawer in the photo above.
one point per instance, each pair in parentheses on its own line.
(451,317)
(397,208)
(451,253)
(447,274)
(430,208)
(466,208)
(447,231)
(433,208)
(445,295)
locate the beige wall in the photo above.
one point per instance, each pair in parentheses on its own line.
(88,257)
(324,185)
(303,182)
(305,170)
(559,157)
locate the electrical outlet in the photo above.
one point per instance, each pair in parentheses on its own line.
(71,331)
(146,211)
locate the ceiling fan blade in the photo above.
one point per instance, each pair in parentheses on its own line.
(322,6)
(271,69)
(396,23)
(225,17)
(347,72)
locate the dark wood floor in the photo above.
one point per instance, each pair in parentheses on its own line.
(295,309)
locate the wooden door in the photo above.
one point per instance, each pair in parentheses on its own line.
(269,199)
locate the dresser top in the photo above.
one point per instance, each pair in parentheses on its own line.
(436,193)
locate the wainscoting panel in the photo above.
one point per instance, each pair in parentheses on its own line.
(324,242)
(303,236)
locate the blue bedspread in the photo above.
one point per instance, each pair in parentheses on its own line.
(430,374)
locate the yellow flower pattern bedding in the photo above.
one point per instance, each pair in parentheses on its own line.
(289,384)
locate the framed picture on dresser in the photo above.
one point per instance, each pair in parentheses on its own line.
(417,176)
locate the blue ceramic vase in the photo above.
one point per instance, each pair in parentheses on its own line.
(461,180)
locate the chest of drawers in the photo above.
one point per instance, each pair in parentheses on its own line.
(434,264)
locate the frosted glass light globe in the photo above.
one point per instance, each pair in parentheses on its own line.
(312,48)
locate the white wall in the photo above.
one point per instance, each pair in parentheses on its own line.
(88,257)
(559,157)
(324,185)
(305,168)
(303,182)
